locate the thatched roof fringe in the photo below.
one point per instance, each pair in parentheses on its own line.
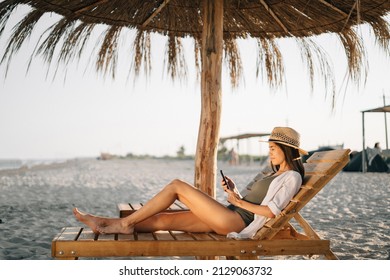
(6,9)
(270,62)
(233,60)
(48,46)
(142,53)
(317,61)
(21,31)
(307,58)
(74,44)
(381,29)
(197,54)
(108,54)
(175,61)
(355,53)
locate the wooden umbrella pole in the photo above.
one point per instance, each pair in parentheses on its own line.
(208,136)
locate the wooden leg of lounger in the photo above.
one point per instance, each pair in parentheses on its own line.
(313,235)
(306,227)
(330,255)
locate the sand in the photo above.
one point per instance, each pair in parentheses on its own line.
(353,211)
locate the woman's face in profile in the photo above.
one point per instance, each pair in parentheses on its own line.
(276,154)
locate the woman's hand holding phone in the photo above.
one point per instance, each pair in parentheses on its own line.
(228,184)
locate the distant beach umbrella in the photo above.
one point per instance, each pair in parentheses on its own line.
(215,27)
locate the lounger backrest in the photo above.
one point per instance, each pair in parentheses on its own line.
(320,168)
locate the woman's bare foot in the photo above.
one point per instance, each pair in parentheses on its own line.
(91,221)
(103,225)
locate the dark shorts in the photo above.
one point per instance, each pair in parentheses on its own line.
(246,216)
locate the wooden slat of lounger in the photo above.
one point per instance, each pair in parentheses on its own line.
(102,237)
(124,207)
(87,235)
(267,233)
(218,237)
(274,225)
(203,236)
(319,168)
(177,205)
(313,181)
(295,205)
(317,185)
(69,233)
(125,237)
(135,206)
(182,236)
(313,184)
(148,236)
(326,156)
(163,235)
(327,162)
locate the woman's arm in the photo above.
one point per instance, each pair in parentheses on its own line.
(262,210)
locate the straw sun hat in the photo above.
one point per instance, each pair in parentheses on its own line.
(286,136)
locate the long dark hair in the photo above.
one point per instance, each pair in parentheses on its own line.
(292,158)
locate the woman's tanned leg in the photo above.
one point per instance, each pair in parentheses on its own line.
(206,214)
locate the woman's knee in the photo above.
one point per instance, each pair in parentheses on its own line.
(177,184)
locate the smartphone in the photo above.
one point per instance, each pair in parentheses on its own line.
(226,182)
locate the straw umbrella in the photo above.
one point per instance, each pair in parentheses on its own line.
(215,26)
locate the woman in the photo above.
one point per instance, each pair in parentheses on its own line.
(266,199)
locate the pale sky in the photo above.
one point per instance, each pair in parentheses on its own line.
(42,118)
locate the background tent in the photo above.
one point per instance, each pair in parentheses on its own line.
(377,164)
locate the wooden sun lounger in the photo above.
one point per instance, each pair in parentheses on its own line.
(277,237)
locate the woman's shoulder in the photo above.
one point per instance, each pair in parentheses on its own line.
(291,175)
